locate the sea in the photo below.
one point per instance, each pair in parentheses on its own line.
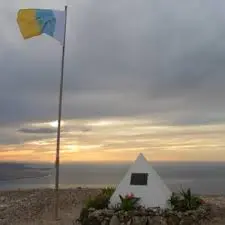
(205,178)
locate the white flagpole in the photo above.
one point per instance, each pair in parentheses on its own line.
(59,123)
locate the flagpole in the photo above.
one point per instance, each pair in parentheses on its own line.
(57,161)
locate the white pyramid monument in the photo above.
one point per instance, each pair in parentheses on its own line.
(144,182)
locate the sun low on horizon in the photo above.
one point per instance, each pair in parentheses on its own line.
(115,141)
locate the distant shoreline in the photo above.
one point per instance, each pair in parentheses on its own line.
(9,173)
(27,177)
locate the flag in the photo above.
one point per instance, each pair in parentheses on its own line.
(35,22)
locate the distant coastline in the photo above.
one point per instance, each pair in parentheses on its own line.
(24,177)
(17,171)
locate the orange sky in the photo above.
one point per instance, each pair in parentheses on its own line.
(119,140)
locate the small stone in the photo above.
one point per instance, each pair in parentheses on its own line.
(158,220)
(97,213)
(2,199)
(173,220)
(3,206)
(105,222)
(129,222)
(114,221)
(109,212)
(3,222)
(91,209)
(139,220)
(93,221)
(187,220)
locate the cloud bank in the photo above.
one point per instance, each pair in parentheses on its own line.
(164,61)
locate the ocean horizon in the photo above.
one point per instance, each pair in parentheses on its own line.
(206,178)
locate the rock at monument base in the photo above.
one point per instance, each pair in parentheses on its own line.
(187,220)
(114,221)
(156,220)
(173,220)
(93,221)
(146,217)
(139,220)
(105,222)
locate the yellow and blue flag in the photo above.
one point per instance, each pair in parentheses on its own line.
(34,22)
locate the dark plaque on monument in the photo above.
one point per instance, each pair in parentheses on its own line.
(139,179)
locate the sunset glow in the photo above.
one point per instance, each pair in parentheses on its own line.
(122,140)
(55,123)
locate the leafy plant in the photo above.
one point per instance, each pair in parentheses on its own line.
(99,202)
(174,201)
(185,201)
(108,191)
(190,201)
(129,202)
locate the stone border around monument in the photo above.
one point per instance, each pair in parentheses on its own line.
(151,216)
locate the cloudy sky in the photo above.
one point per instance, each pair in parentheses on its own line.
(140,76)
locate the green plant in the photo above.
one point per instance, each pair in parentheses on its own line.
(99,202)
(129,202)
(190,201)
(108,191)
(174,201)
(185,201)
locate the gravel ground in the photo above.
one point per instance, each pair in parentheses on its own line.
(36,207)
(218,203)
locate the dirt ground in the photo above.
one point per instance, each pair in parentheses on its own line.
(37,207)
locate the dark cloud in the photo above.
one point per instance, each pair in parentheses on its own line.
(163,59)
(37,130)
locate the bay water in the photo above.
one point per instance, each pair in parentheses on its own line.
(206,178)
